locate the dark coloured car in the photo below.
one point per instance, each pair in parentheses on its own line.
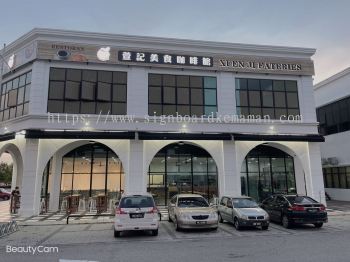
(4,194)
(294,209)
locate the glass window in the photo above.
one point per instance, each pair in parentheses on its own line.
(105,76)
(196,97)
(292,100)
(86,87)
(210,82)
(210,97)
(267,99)
(242,98)
(14,93)
(88,91)
(72,90)
(154,80)
(90,75)
(71,107)
(254,98)
(253,84)
(119,93)
(291,86)
(183,110)
(74,75)
(183,96)
(169,80)
(103,91)
(56,90)
(183,81)
(280,99)
(169,96)
(168,93)
(196,81)
(88,107)
(119,78)
(155,94)
(57,74)
(266,85)
(118,108)
(278,85)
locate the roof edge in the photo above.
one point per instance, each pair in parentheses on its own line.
(332,78)
(37,32)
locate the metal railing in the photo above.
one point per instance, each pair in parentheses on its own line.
(8,228)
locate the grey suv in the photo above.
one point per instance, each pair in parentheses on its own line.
(242,212)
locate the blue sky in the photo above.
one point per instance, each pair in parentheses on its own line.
(320,24)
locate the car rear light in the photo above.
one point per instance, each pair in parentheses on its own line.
(322,208)
(154,210)
(119,211)
(296,208)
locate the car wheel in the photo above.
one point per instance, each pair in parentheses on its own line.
(155,232)
(169,218)
(220,219)
(286,222)
(236,224)
(318,225)
(265,227)
(177,228)
(117,233)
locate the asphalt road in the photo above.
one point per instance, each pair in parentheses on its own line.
(95,242)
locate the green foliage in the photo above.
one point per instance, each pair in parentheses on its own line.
(5,172)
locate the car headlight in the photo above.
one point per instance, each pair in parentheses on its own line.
(244,217)
(185,216)
(213,215)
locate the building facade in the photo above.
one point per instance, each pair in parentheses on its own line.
(91,114)
(333,111)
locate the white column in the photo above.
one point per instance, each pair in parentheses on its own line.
(135,178)
(39,87)
(137,96)
(31,181)
(226,94)
(314,176)
(55,182)
(232,182)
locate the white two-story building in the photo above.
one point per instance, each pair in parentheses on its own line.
(332,97)
(91,114)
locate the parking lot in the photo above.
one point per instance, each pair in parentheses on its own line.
(103,232)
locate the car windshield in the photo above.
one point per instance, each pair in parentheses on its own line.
(244,203)
(192,202)
(136,202)
(301,200)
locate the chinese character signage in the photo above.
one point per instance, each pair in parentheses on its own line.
(162,58)
(107,54)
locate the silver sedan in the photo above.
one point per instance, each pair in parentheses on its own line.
(192,211)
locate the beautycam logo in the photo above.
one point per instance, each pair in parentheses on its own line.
(32,250)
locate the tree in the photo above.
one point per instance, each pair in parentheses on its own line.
(5,173)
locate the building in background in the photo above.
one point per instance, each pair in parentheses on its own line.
(91,114)
(332,98)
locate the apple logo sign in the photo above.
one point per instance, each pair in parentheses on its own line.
(103,53)
(11,61)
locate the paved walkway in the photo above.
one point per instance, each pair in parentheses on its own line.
(334,208)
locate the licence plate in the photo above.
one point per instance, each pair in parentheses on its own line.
(201,222)
(312,210)
(138,215)
(256,224)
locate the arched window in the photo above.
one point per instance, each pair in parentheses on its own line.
(267,170)
(92,170)
(182,168)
